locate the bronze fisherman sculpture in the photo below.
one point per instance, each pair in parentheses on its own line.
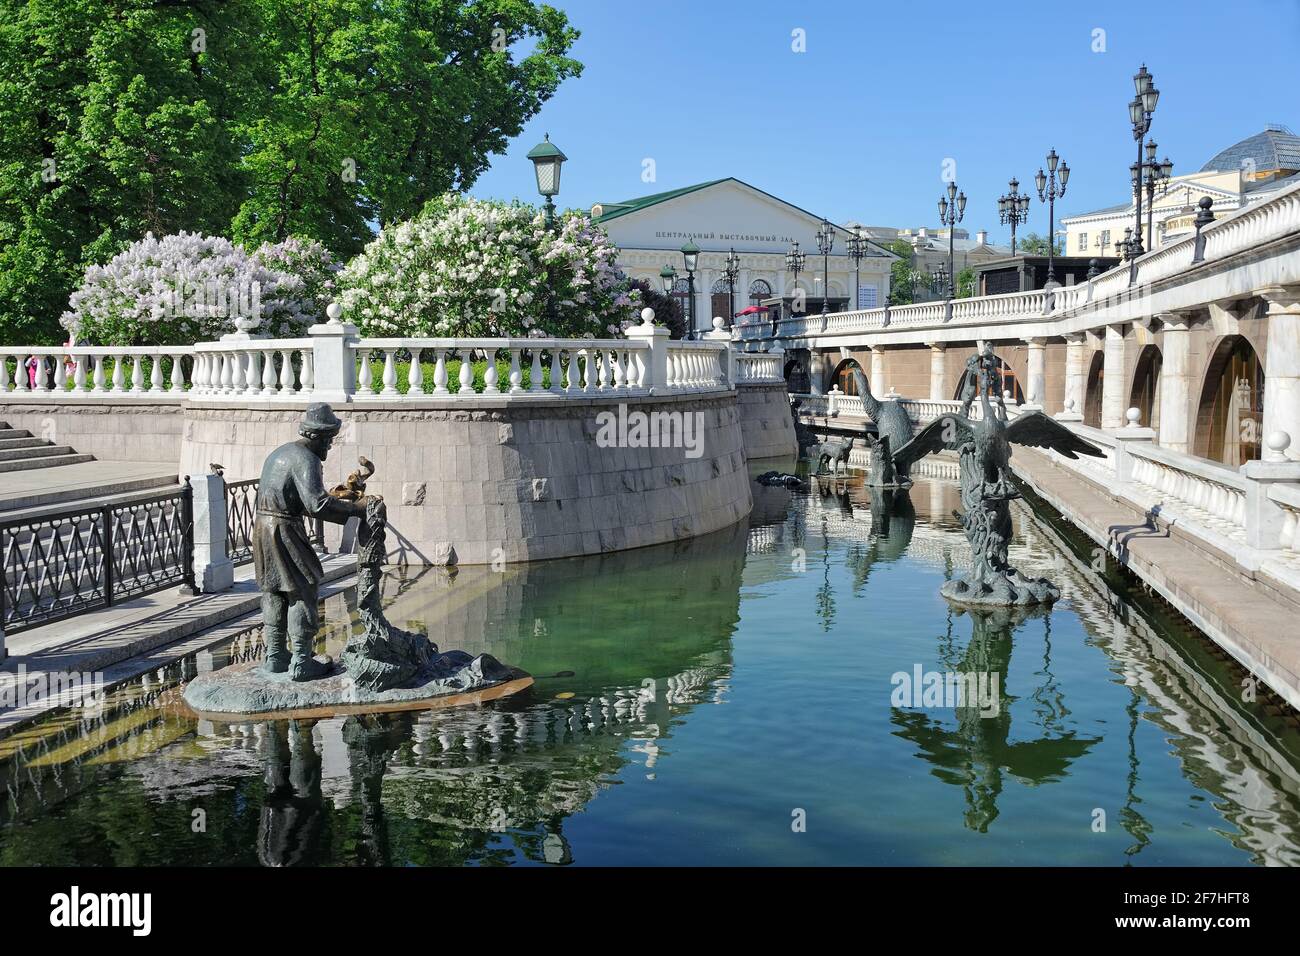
(288,569)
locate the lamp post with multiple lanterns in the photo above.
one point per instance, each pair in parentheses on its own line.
(547,160)
(825,243)
(1051,186)
(731,272)
(952,209)
(1140,110)
(691,256)
(1154,174)
(858,246)
(1013,208)
(794,262)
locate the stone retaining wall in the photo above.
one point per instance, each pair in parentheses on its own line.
(509,480)
(765,423)
(138,431)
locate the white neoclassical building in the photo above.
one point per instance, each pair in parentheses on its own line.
(727,214)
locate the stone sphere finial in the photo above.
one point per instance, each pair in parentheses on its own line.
(1069,405)
(1134,416)
(648,316)
(1277,443)
(335,312)
(719,324)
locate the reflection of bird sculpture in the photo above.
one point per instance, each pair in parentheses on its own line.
(893,425)
(986,492)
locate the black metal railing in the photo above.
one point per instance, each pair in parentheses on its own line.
(58,564)
(241,512)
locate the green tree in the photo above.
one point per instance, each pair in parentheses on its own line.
(966,283)
(902,277)
(260,120)
(1032,244)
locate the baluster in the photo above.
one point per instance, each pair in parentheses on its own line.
(178,374)
(286,372)
(440,373)
(119,373)
(534,373)
(557,385)
(588,385)
(4,372)
(20,372)
(269,378)
(602,369)
(390,372)
(466,376)
(78,374)
(97,377)
(253,376)
(155,373)
(415,378)
(619,379)
(516,373)
(490,376)
(137,374)
(364,377)
(308,379)
(40,387)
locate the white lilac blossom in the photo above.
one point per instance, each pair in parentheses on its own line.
(188,287)
(470,267)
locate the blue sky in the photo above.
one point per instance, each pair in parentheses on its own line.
(858,126)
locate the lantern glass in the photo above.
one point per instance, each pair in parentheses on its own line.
(961,205)
(1166,168)
(952,191)
(691,255)
(943,209)
(1064,174)
(1141,80)
(1149,99)
(1041,182)
(1135,112)
(1052,160)
(668,275)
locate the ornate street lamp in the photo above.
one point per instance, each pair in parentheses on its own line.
(1051,186)
(547,161)
(939,280)
(691,256)
(858,246)
(1154,174)
(731,272)
(794,261)
(668,275)
(1013,208)
(952,209)
(825,243)
(1140,110)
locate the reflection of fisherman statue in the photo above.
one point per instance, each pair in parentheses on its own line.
(288,570)
(293,813)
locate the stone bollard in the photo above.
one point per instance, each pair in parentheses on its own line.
(656,376)
(213,569)
(1264,519)
(334,370)
(720,334)
(1130,433)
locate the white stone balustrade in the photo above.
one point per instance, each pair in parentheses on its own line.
(758,367)
(79,373)
(697,366)
(263,369)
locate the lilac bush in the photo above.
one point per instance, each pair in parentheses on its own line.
(187,288)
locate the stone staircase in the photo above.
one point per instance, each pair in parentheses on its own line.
(21,451)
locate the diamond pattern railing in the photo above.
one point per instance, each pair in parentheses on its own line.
(241,512)
(58,564)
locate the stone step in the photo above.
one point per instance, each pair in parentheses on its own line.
(7,433)
(38,450)
(22,442)
(49,462)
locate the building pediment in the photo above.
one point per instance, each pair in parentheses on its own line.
(717,216)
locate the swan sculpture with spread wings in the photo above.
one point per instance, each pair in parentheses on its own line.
(984,445)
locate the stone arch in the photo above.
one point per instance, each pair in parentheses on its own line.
(720,300)
(1144,395)
(1230,413)
(1092,390)
(1006,380)
(843,376)
(797,380)
(759,290)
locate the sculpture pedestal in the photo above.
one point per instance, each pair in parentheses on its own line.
(248,691)
(1007,590)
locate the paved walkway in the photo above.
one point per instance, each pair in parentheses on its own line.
(21,490)
(1252,622)
(140,635)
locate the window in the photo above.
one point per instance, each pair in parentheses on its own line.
(867,296)
(758,291)
(720,302)
(1083,242)
(1105,240)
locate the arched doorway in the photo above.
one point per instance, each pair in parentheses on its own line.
(1004,381)
(1145,396)
(843,376)
(759,290)
(796,377)
(1230,419)
(1092,391)
(682,293)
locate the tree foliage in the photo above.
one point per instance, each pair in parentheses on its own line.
(1032,244)
(257,119)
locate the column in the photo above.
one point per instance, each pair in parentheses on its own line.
(938,371)
(1112,384)
(1076,353)
(816,372)
(1282,367)
(1034,394)
(333,366)
(877,383)
(1175,382)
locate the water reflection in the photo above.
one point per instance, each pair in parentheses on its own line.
(684,703)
